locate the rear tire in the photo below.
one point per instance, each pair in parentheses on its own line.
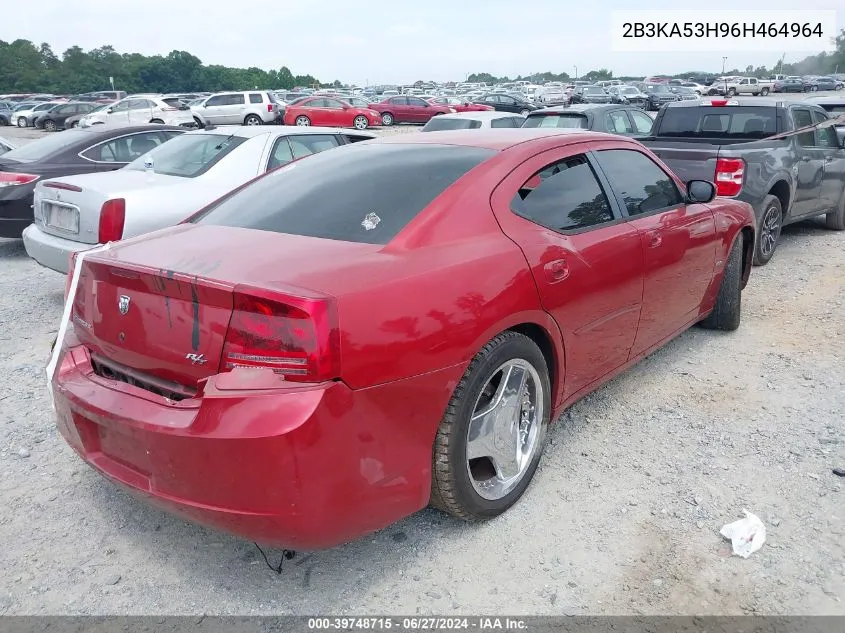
(253,119)
(74,124)
(198,121)
(302,121)
(726,311)
(768,233)
(765,92)
(835,220)
(456,481)
(387,119)
(50,125)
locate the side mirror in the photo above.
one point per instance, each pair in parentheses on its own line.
(700,191)
(345,106)
(426,104)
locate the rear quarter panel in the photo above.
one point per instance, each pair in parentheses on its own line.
(455,281)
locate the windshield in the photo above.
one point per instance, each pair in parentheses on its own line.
(188,155)
(628,91)
(357,193)
(752,122)
(568,120)
(439,123)
(593,90)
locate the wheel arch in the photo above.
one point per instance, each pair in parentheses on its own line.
(554,356)
(781,190)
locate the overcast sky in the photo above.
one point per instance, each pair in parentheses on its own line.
(376,41)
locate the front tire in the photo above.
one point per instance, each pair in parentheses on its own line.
(74,124)
(731,92)
(491,438)
(726,312)
(21,122)
(387,119)
(768,233)
(835,220)
(360,122)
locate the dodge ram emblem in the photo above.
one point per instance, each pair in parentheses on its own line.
(123,304)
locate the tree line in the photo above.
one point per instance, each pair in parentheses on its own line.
(821,64)
(25,67)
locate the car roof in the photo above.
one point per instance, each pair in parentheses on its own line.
(482,115)
(828,99)
(251,131)
(739,102)
(578,108)
(495,138)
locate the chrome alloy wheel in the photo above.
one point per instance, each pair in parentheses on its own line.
(770,231)
(505,430)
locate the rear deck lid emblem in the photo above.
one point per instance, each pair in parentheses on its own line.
(123,304)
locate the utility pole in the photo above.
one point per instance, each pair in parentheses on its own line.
(576,72)
(724,59)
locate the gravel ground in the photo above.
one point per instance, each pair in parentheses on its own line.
(623,516)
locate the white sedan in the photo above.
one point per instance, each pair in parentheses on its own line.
(164,186)
(473,121)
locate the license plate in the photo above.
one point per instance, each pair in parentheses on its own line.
(61,217)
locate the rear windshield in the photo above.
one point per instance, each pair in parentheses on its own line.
(569,120)
(363,193)
(438,123)
(752,122)
(45,146)
(188,155)
(837,108)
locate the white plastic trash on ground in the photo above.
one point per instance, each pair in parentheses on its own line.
(60,337)
(746,535)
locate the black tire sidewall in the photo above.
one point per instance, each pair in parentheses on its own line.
(512,348)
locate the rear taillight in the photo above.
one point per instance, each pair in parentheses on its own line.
(729,175)
(295,336)
(11,179)
(269,107)
(112,218)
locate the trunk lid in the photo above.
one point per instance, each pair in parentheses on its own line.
(70,206)
(159,322)
(161,303)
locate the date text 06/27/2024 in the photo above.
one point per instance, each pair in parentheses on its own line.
(722,30)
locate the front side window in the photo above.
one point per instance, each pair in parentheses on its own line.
(643,185)
(563,196)
(215,101)
(618,123)
(567,120)
(506,122)
(826,136)
(642,122)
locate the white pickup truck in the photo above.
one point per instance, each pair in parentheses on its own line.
(749,86)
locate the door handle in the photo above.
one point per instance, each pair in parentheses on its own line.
(655,240)
(805,159)
(556,271)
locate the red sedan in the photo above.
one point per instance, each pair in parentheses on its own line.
(387,325)
(330,112)
(404,109)
(460,105)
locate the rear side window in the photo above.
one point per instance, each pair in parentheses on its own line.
(563,196)
(439,123)
(618,123)
(124,149)
(359,193)
(254,98)
(569,120)
(506,122)
(752,122)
